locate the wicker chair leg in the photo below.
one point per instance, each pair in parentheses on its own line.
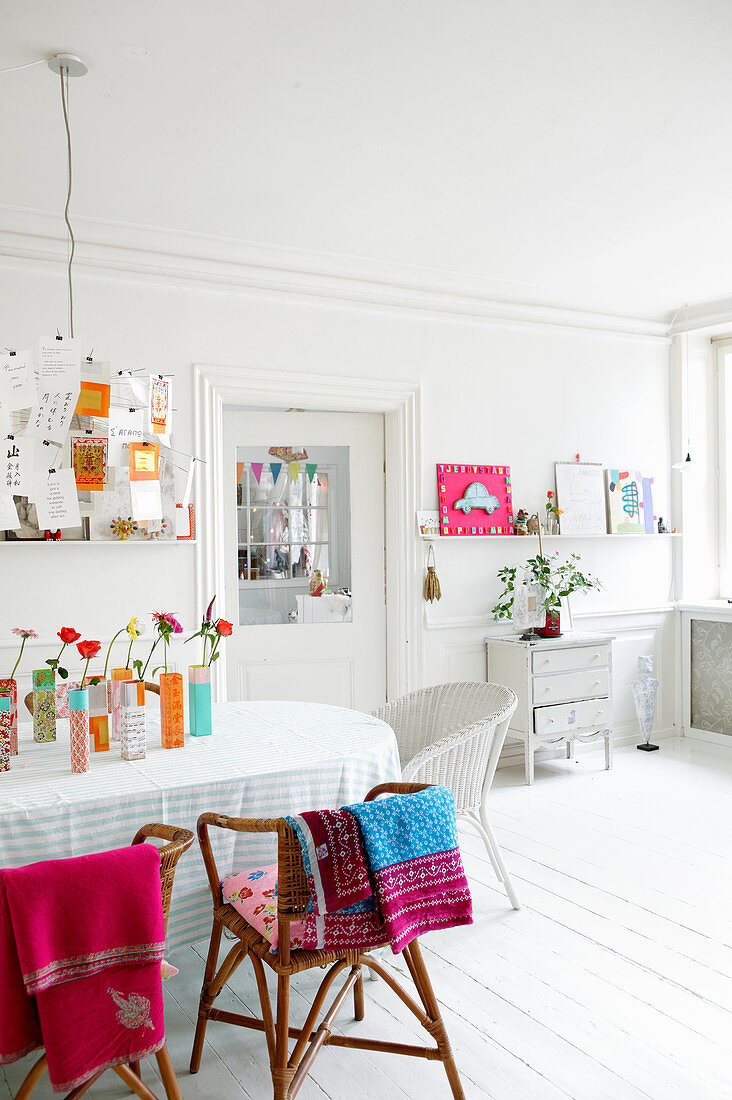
(359,1002)
(490,839)
(435,1027)
(134,1083)
(167,1073)
(32,1078)
(203,1006)
(281,1073)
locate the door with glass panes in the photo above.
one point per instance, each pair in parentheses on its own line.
(304,549)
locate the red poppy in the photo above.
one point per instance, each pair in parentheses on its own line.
(88,649)
(223,628)
(67,634)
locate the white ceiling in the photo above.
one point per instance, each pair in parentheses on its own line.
(572,152)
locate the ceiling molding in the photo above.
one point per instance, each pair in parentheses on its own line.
(705,318)
(160,254)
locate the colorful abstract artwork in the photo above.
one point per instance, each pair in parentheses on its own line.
(474,499)
(93,399)
(629,503)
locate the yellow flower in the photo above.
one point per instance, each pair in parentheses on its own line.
(132,628)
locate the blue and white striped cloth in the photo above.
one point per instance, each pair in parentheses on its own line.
(264,759)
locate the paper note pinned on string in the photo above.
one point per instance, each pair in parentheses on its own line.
(89,461)
(93,398)
(189,484)
(160,410)
(17,387)
(144,459)
(57,360)
(57,503)
(50,417)
(18,466)
(124,427)
(8,514)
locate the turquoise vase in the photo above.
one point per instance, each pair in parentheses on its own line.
(199,700)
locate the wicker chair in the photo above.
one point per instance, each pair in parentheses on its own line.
(290,1070)
(177,841)
(453,734)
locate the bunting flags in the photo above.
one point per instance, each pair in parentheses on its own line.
(275,467)
(311,467)
(239,472)
(257,470)
(294,468)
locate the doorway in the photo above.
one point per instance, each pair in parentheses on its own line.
(304,554)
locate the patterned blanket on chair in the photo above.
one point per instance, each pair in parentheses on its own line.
(383,871)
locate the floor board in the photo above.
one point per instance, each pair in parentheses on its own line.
(613,981)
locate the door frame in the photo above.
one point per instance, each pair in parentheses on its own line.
(216,387)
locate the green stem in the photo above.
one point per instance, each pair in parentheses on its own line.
(147,662)
(214,647)
(129,653)
(22,647)
(165,654)
(114,639)
(86,669)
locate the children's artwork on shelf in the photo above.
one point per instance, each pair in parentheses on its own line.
(428,524)
(89,460)
(474,499)
(630,503)
(17,388)
(581,497)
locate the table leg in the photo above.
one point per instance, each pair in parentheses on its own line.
(608,750)
(529,760)
(570,745)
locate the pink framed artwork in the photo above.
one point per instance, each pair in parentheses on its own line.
(474,500)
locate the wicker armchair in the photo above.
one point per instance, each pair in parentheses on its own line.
(290,1068)
(177,841)
(452,734)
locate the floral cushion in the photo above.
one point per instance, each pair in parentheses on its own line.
(253,893)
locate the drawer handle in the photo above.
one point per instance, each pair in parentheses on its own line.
(597,683)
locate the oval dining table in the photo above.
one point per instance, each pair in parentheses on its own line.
(263,759)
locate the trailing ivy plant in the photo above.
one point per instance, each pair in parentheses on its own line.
(556,578)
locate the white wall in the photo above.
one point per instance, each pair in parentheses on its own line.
(521,395)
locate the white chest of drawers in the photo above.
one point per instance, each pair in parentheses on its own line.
(564,689)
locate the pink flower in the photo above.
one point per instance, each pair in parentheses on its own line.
(172,621)
(24,633)
(209,611)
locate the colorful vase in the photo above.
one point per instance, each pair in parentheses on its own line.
(10,688)
(4,733)
(171,710)
(132,720)
(199,700)
(79,718)
(98,716)
(119,676)
(44,705)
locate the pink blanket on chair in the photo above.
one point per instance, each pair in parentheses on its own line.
(81,942)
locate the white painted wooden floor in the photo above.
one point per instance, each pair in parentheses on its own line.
(613,981)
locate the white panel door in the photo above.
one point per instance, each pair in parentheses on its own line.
(273,541)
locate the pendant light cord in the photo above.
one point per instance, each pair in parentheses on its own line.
(64,73)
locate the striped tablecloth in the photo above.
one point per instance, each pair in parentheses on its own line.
(264,759)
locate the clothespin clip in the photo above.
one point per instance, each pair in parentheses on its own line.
(58,334)
(10,437)
(89,357)
(46,443)
(89,431)
(52,471)
(132,409)
(10,351)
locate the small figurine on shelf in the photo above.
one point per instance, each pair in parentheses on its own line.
(533,525)
(317,583)
(520,522)
(662,526)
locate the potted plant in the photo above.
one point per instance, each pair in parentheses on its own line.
(557,580)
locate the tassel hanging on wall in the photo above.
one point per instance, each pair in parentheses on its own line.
(432,590)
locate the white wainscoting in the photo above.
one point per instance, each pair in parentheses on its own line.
(307,680)
(455,650)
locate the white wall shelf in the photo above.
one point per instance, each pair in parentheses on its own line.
(96,542)
(544,538)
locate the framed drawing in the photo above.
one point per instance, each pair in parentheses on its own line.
(630,503)
(474,500)
(581,497)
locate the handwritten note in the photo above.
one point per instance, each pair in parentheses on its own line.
(57,503)
(18,466)
(17,388)
(124,427)
(8,514)
(58,359)
(50,417)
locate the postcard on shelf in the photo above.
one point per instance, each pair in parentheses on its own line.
(428,524)
(17,387)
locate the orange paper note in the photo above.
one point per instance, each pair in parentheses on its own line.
(144,459)
(93,399)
